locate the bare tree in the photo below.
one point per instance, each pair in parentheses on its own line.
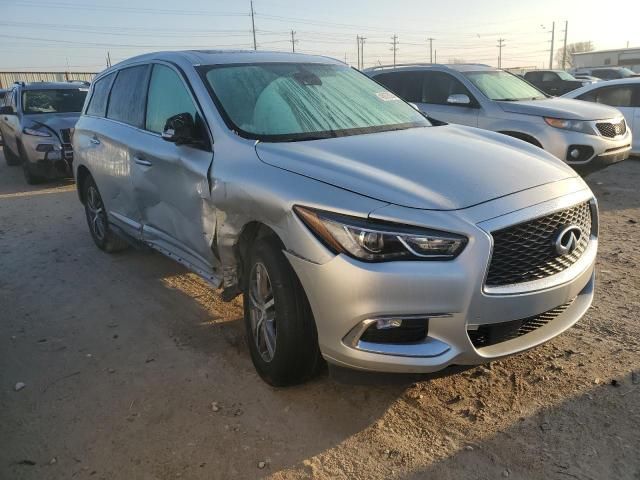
(577,47)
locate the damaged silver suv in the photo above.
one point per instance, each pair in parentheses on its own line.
(358,232)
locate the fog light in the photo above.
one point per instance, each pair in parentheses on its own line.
(575,153)
(385,323)
(44,147)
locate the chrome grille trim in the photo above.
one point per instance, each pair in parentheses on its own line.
(524,252)
(612,130)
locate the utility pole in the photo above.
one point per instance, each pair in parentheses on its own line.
(108,59)
(430,49)
(293,41)
(435,56)
(358,47)
(553,37)
(564,50)
(394,48)
(253,27)
(362,39)
(500,45)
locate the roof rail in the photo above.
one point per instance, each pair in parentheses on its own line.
(19,82)
(420,64)
(84,82)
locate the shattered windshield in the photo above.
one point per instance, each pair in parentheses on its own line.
(65,100)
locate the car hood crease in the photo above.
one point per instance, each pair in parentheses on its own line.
(418,168)
(563,108)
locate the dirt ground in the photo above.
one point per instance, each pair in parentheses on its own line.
(123,355)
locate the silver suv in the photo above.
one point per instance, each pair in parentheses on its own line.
(585,135)
(356,230)
(36,121)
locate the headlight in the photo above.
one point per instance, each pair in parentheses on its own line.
(574,125)
(374,241)
(36,133)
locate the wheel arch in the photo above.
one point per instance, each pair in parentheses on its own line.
(522,136)
(82,174)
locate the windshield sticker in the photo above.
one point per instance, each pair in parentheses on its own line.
(386,96)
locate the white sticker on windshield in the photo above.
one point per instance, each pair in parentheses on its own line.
(386,96)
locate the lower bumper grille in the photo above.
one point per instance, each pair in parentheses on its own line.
(410,331)
(492,334)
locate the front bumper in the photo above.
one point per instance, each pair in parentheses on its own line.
(604,151)
(344,292)
(54,163)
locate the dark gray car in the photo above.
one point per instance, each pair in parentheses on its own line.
(36,121)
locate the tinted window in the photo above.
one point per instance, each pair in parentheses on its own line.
(168,96)
(549,77)
(439,86)
(532,76)
(126,103)
(605,74)
(615,96)
(408,85)
(100,96)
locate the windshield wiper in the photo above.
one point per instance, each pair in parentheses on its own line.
(506,99)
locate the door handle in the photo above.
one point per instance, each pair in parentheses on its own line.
(95,141)
(142,161)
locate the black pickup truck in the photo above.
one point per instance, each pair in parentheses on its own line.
(554,82)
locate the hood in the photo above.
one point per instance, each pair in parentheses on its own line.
(564,108)
(55,121)
(435,168)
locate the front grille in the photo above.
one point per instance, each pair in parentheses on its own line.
(410,331)
(67,148)
(612,130)
(526,251)
(487,335)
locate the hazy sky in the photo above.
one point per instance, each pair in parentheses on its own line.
(51,34)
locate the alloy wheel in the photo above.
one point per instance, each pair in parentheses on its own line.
(262,312)
(95,213)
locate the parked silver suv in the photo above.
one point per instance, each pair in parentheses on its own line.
(586,136)
(356,230)
(36,121)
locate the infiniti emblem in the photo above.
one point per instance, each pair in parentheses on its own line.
(567,240)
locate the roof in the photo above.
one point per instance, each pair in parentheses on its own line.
(621,50)
(53,85)
(221,57)
(460,67)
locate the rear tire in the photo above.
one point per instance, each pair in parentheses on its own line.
(97,220)
(280,329)
(9,157)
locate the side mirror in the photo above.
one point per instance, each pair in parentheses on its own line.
(7,110)
(458,99)
(180,129)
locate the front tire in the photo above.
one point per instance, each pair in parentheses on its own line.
(280,328)
(102,234)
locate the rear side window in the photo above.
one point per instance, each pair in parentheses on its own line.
(126,103)
(549,77)
(100,96)
(168,96)
(407,85)
(613,96)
